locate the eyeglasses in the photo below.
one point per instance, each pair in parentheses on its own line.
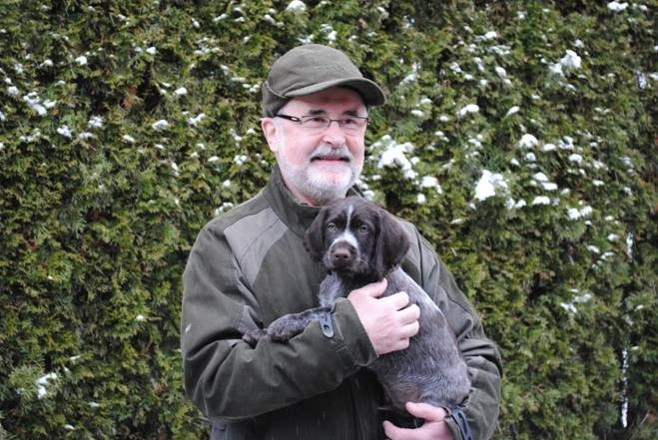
(350,124)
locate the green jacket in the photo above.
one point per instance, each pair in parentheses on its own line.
(248,267)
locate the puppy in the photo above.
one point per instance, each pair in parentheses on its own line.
(360,243)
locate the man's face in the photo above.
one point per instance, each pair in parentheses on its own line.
(318,166)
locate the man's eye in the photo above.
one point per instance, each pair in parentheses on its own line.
(318,119)
(348,122)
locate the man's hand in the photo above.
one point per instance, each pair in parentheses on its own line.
(434,428)
(390,321)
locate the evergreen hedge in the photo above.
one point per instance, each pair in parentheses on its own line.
(519,136)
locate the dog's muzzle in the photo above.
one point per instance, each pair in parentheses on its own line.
(342,255)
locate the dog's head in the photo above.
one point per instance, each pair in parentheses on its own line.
(354,237)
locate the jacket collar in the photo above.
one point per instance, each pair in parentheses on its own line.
(297,216)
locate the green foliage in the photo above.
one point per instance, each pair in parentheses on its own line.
(125,126)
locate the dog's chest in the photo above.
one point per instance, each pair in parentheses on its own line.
(331,289)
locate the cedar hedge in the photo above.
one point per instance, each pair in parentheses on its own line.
(519,136)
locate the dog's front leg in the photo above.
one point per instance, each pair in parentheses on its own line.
(287,326)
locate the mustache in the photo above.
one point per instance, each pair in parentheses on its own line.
(324,151)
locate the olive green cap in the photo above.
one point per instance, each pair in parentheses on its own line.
(312,68)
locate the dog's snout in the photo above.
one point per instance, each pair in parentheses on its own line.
(342,254)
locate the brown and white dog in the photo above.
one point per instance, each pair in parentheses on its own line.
(360,243)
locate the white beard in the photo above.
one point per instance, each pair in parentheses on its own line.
(321,183)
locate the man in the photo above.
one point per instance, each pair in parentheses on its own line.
(249,266)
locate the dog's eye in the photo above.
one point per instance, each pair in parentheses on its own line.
(363,229)
(331,227)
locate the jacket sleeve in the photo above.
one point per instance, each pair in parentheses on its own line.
(225,377)
(481,354)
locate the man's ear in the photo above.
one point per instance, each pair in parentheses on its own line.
(391,245)
(270,131)
(314,237)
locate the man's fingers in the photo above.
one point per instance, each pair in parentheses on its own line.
(410,330)
(409,314)
(405,334)
(398,300)
(375,289)
(426,411)
(433,427)
(394,433)
(409,320)
(390,321)
(391,430)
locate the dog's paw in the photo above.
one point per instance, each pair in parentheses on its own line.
(282,330)
(252,337)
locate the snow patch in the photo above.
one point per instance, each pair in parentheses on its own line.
(488,184)
(160,125)
(296,6)
(617,7)
(541,200)
(470,108)
(43,382)
(528,141)
(394,155)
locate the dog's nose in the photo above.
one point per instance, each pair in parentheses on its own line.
(340,255)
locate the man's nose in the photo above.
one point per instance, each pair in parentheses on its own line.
(334,134)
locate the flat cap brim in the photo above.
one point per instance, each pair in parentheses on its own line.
(369,90)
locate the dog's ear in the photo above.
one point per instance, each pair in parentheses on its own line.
(392,244)
(314,236)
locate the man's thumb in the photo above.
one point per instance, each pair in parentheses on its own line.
(376,289)
(426,411)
